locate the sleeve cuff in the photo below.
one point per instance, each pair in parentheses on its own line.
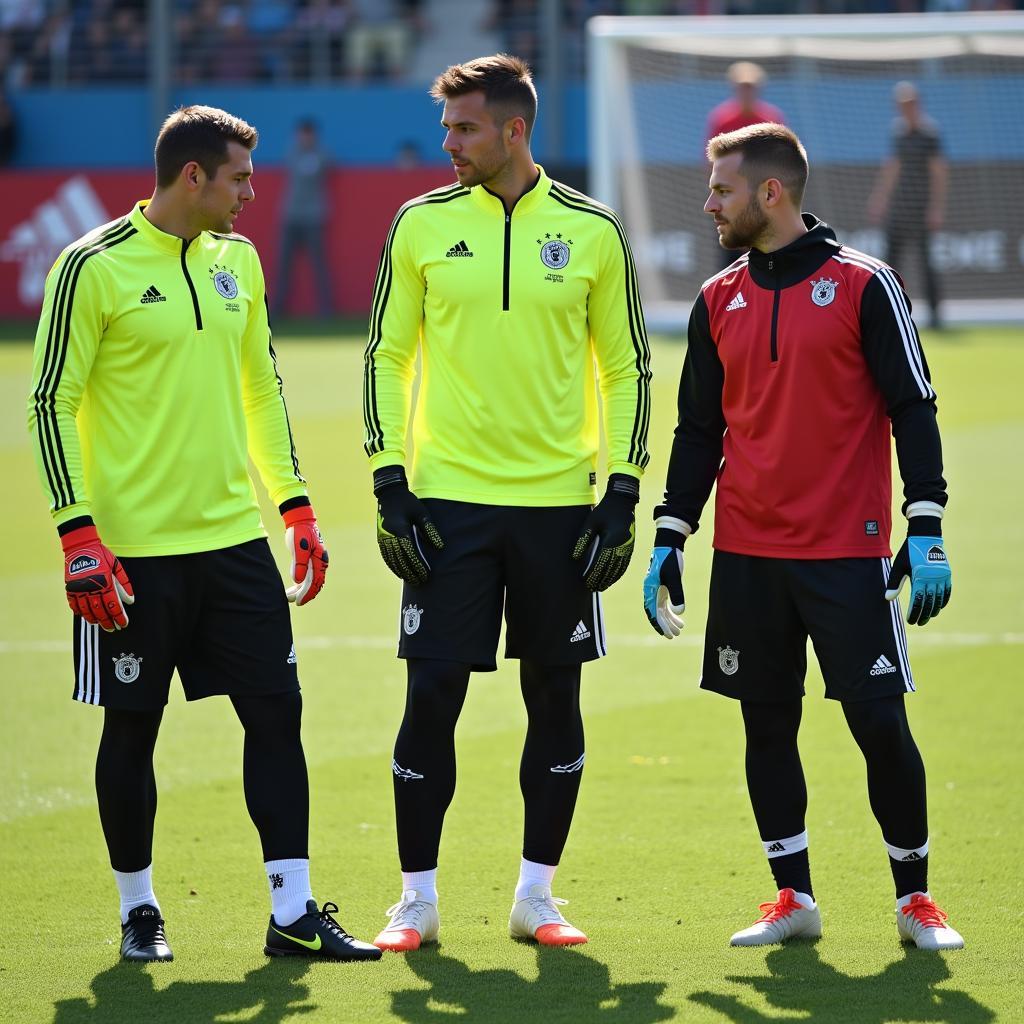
(925,508)
(672,523)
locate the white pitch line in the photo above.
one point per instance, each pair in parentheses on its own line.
(354,641)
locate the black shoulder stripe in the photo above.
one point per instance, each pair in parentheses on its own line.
(638,453)
(53,360)
(233,237)
(381,291)
(280,391)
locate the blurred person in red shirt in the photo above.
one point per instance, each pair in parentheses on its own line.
(744,107)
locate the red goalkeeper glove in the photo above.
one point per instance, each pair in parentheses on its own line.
(309,556)
(97,586)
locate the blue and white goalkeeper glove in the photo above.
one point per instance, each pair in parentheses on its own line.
(922,560)
(664,602)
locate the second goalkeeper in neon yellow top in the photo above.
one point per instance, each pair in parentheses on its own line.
(512,309)
(519,297)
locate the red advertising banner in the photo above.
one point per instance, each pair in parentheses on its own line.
(44,211)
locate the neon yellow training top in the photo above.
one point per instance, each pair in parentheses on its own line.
(512,314)
(153,377)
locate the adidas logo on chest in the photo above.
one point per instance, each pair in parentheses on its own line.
(459,249)
(738,302)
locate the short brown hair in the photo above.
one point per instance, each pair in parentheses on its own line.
(769,151)
(198,133)
(504,80)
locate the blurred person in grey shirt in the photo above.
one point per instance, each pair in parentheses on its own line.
(305,216)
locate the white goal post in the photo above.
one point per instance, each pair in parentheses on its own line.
(653,81)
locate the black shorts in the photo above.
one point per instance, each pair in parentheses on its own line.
(500,557)
(220,618)
(762,610)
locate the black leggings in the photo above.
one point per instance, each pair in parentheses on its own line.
(424,764)
(274,773)
(895,772)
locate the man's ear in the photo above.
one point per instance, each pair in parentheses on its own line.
(192,175)
(772,191)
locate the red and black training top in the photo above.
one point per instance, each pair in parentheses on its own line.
(799,364)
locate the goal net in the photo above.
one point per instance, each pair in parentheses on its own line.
(653,81)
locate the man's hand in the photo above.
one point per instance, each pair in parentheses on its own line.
(96,584)
(608,533)
(664,602)
(309,556)
(922,560)
(403,522)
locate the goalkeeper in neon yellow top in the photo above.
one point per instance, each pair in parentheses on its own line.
(154,380)
(520,297)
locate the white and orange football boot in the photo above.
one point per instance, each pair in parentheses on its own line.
(414,921)
(784,918)
(921,921)
(538,917)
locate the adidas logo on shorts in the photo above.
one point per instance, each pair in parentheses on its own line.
(882,667)
(579,633)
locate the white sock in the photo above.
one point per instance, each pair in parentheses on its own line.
(135,889)
(289,889)
(804,899)
(424,882)
(531,873)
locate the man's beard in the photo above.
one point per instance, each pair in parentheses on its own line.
(746,228)
(485,170)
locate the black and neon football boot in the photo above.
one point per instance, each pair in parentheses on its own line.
(142,936)
(317,934)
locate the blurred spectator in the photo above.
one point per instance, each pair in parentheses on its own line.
(193,28)
(320,39)
(8,129)
(271,22)
(304,217)
(745,106)
(234,53)
(129,46)
(46,58)
(917,174)
(518,21)
(408,154)
(380,38)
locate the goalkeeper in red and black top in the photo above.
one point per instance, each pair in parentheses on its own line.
(167,566)
(802,361)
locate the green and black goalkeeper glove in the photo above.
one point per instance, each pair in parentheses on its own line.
(606,542)
(403,523)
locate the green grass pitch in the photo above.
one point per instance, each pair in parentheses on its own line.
(664,860)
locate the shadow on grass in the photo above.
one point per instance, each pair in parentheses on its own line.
(570,986)
(126,992)
(799,982)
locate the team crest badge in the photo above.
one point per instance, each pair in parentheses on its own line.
(823,291)
(127,667)
(225,283)
(411,616)
(728,660)
(554,253)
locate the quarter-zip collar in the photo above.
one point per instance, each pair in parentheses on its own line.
(795,262)
(170,244)
(529,200)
